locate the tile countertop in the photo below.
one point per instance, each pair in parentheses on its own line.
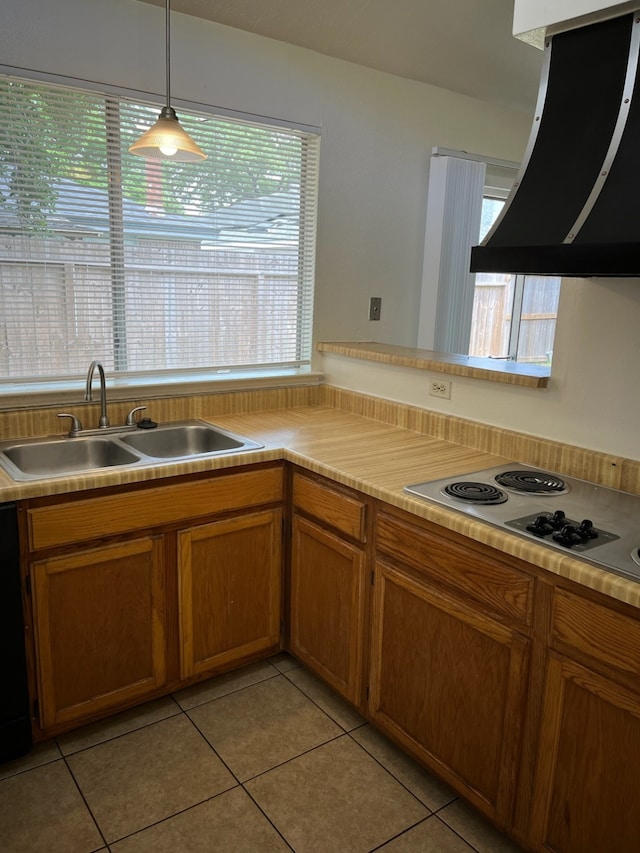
(372,457)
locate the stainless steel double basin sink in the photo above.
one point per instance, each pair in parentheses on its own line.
(35,459)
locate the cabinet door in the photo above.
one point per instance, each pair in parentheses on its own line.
(449,683)
(230,589)
(327,606)
(587,786)
(100,628)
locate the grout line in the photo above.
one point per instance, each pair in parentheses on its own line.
(235,782)
(86,803)
(179,710)
(294,662)
(340,734)
(348,732)
(419,823)
(443,807)
(397,779)
(240,783)
(294,758)
(393,776)
(455,831)
(212,748)
(120,734)
(400,834)
(174,814)
(266,816)
(324,711)
(276,673)
(168,817)
(313,702)
(22,771)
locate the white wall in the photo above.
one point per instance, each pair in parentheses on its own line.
(593,398)
(378,131)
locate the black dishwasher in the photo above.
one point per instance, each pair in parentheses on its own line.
(15,724)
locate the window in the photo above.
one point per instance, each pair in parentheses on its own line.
(514,316)
(488,315)
(152,267)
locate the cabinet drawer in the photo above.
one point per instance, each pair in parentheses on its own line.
(457,565)
(94,518)
(341,511)
(596,631)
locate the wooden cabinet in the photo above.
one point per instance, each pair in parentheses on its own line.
(60,522)
(587,785)
(100,628)
(450,654)
(143,590)
(329,584)
(230,590)
(532,716)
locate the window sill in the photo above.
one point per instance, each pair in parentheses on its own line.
(510,372)
(67,392)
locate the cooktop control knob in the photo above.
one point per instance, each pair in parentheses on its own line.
(585,529)
(568,536)
(557,519)
(541,526)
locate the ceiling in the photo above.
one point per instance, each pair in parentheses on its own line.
(463,45)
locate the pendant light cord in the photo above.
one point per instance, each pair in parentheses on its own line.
(168,52)
(167,139)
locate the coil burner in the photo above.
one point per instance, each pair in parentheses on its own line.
(479,493)
(535,482)
(592,522)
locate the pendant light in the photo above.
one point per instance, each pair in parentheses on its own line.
(167,140)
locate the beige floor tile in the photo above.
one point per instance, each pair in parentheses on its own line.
(222,685)
(229,823)
(332,704)
(480,834)
(41,753)
(431,791)
(283,662)
(42,811)
(430,836)
(142,777)
(119,724)
(263,725)
(335,799)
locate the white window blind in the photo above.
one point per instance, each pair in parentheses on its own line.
(149,266)
(453,220)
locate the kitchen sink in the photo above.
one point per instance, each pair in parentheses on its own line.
(34,459)
(53,457)
(186,439)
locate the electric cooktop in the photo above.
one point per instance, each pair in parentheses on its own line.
(594,523)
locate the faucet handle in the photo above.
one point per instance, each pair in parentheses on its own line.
(130,419)
(76,425)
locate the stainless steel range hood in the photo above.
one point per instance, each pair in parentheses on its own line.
(575,206)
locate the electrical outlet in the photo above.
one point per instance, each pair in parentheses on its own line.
(440,388)
(375,307)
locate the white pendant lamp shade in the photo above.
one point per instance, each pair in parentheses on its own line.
(167,139)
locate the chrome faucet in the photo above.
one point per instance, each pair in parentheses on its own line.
(103,423)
